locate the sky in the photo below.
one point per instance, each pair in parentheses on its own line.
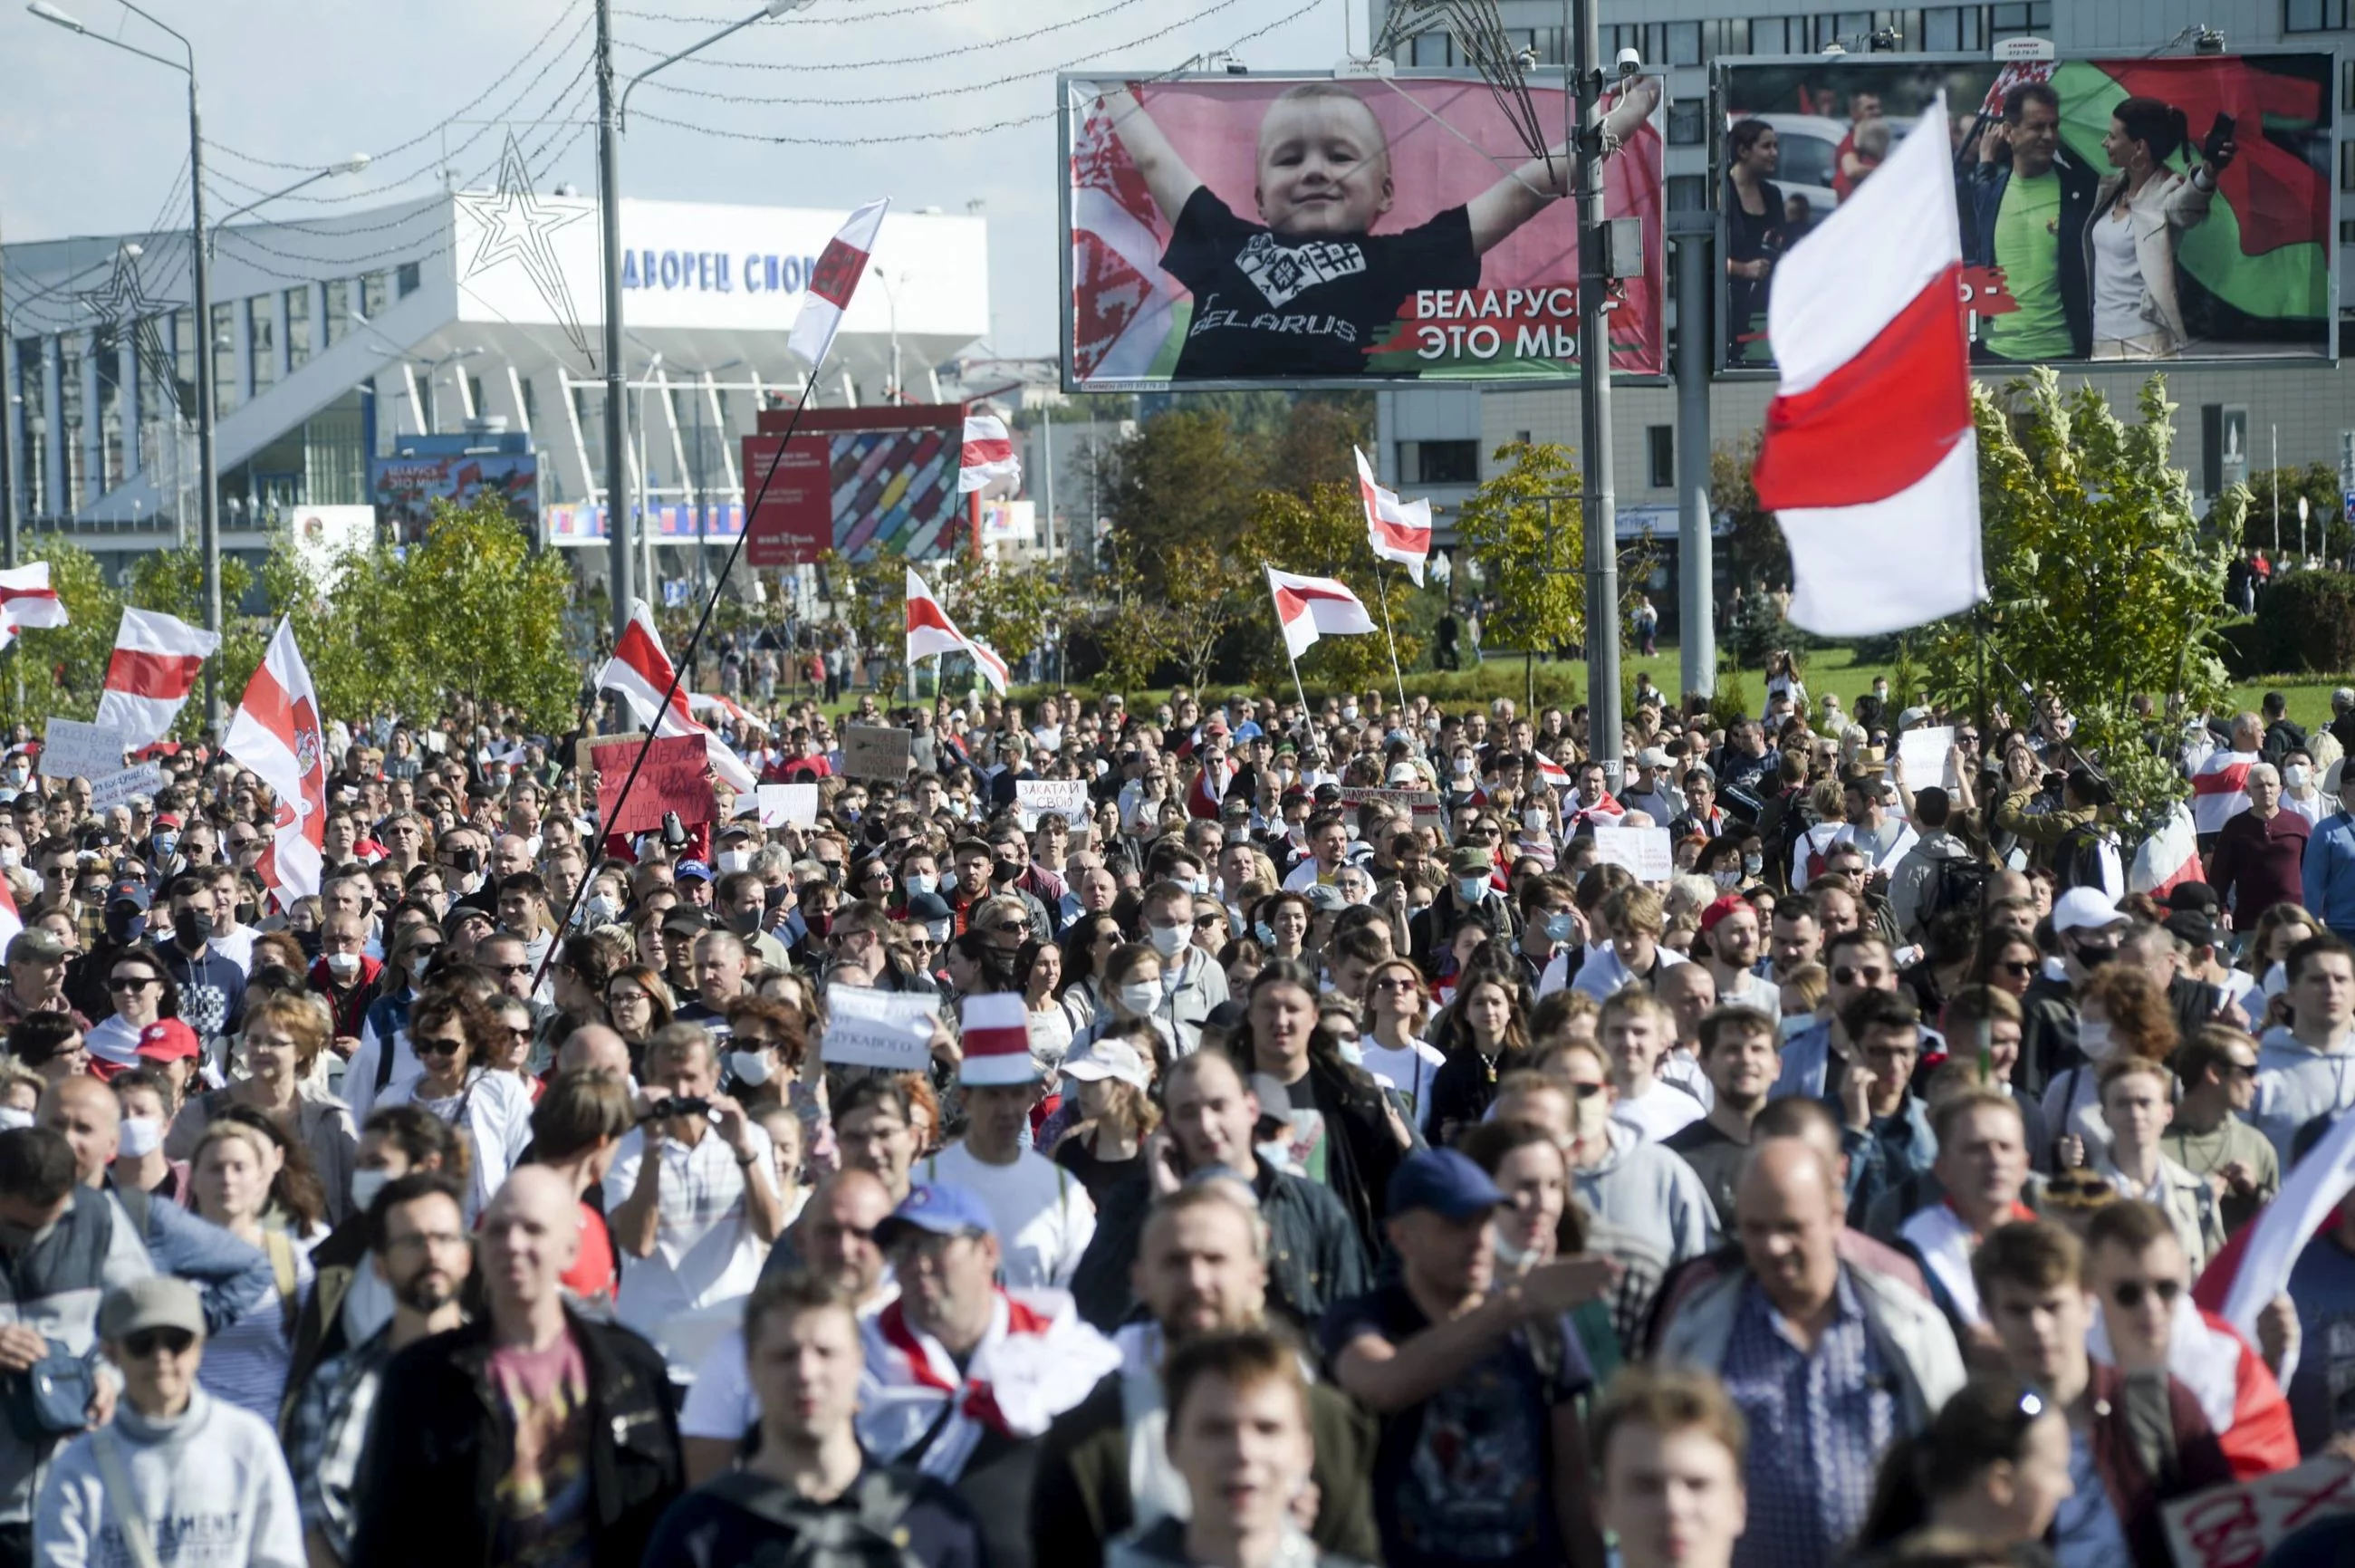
(93,140)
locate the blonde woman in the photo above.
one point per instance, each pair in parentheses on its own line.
(1392,1049)
(284,1036)
(1107,1147)
(232,1179)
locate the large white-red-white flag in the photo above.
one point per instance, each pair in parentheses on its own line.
(990,464)
(1399,530)
(28,600)
(1308,608)
(156,662)
(1870,462)
(277,733)
(644,675)
(833,280)
(931,633)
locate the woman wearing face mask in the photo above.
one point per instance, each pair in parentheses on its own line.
(769,1062)
(236,1174)
(1393,1048)
(1089,943)
(1540,821)
(2120,1012)
(283,1038)
(1481,1035)
(454,1036)
(1039,971)
(1133,989)
(1993,1465)
(142,993)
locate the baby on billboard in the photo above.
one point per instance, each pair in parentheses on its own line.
(1305,286)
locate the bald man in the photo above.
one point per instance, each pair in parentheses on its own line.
(593,1048)
(1881,1359)
(583,1406)
(230,1277)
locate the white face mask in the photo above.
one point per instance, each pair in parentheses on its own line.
(750,1066)
(12,1118)
(366,1185)
(734,860)
(142,1135)
(921,883)
(1140,998)
(2293,777)
(1167,939)
(598,909)
(2094,1040)
(343,965)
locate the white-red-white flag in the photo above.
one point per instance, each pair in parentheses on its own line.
(157,661)
(931,633)
(277,733)
(1399,530)
(29,600)
(12,923)
(1870,462)
(833,281)
(750,722)
(641,672)
(1308,608)
(2168,858)
(990,464)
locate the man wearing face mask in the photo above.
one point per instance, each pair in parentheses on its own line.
(2087,927)
(212,989)
(346,977)
(126,906)
(740,900)
(1192,982)
(1469,895)
(1011,872)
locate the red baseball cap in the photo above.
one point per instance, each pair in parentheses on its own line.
(1730,903)
(169,1039)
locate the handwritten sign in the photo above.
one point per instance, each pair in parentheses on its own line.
(890,1030)
(72,749)
(1420,805)
(122,788)
(788,806)
(1066,798)
(2237,1526)
(676,777)
(1928,756)
(1646,851)
(870,752)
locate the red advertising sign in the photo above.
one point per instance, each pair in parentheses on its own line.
(676,777)
(793,523)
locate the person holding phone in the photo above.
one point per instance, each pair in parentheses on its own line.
(2139,215)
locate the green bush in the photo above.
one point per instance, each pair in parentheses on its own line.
(2244,649)
(2305,622)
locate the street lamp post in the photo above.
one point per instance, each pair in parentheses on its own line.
(350,166)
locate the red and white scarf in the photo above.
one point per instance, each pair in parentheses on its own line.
(1037,1359)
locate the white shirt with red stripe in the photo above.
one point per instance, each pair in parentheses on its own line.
(1037,1359)
(2219,789)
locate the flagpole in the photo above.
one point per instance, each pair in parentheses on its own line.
(680,662)
(1305,717)
(1382,591)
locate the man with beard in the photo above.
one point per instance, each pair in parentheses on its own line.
(418,1245)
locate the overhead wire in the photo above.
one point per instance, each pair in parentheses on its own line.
(894,63)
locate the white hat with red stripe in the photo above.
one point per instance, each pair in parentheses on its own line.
(996,1041)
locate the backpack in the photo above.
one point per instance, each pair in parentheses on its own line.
(1957,881)
(2081,861)
(870,1534)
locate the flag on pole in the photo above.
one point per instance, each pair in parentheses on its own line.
(990,464)
(276,732)
(1307,608)
(833,281)
(29,598)
(641,672)
(157,658)
(930,632)
(2168,858)
(1870,462)
(1399,530)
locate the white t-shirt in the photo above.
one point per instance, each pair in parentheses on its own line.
(498,1122)
(1659,1113)
(1045,1219)
(1410,1071)
(705,1248)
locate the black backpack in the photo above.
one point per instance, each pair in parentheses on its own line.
(870,1534)
(2077,861)
(1957,881)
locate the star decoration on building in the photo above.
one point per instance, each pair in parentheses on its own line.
(123,298)
(517,226)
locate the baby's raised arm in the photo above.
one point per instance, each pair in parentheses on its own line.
(1522,194)
(1167,175)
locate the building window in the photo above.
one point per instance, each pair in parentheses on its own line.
(184,357)
(340,312)
(474,395)
(1660,455)
(1684,43)
(1439,461)
(2347,231)
(1778,35)
(1435,47)
(405,279)
(33,395)
(2314,16)
(2021,16)
(261,343)
(69,417)
(298,327)
(530,404)
(106,351)
(372,300)
(1688,122)
(1688,193)
(224,349)
(1733,37)
(151,350)
(2346,165)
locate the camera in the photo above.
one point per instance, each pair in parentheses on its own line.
(664,1109)
(1630,62)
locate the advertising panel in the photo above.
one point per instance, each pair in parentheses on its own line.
(2112,209)
(859,480)
(1256,230)
(458,469)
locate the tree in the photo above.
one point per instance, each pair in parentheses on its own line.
(2102,587)
(1531,551)
(1321,531)
(2326,533)
(1185,477)
(59,671)
(1203,593)
(870,597)
(1006,604)
(1755,553)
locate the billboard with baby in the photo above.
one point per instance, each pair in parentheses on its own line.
(1300,231)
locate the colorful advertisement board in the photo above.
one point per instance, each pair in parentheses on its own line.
(459,469)
(2176,208)
(1289,230)
(861,481)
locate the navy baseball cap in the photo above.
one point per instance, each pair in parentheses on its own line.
(941,1207)
(1445,1181)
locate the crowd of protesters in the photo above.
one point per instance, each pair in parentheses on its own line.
(1326,1147)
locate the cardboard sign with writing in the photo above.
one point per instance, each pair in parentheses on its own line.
(72,749)
(2240,1524)
(1646,851)
(871,751)
(120,789)
(1421,805)
(890,1030)
(1066,798)
(788,806)
(1928,755)
(677,777)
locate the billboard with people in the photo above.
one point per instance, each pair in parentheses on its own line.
(2112,209)
(1256,230)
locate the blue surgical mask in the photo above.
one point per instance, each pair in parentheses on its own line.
(1561,926)
(1264,932)
(1469,889)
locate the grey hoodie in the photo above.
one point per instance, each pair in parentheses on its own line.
(1642,1187)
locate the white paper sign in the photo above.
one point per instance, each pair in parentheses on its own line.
(1034,798)
(120,789)
(788,805)
(890,1030)
(72,749)
(1928,756)
(1644,852)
